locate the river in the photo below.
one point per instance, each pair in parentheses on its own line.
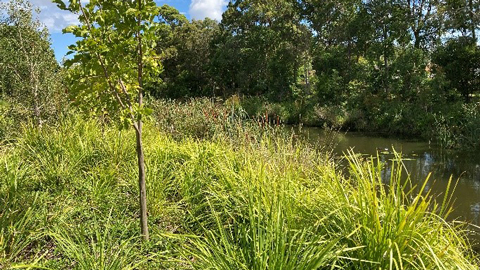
(420,158)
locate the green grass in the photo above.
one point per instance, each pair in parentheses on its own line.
(243,197)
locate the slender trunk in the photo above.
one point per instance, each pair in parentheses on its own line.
(137,123)
(141,181)
(307,79)
(36,106)
(33,76)
(416,36)
(349,65)
(385,59)
(138,133)
(472,19)
(36,102)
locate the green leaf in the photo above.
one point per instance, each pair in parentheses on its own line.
(69,29)
(131,11)
(60,4)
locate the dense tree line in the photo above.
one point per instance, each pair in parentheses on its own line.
(227,192)
(283,48)
(398,66)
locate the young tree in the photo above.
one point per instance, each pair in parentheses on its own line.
(114,58)
(27,63)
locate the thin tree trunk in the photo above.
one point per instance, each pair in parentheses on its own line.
(385,59)
(472,20)
(137,125)
(36,106)
(33,78)
(141,181)
(307,78)
(36,102)
(416,35)
(140,153)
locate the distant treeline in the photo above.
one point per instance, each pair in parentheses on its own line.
(406,67)
(330,51)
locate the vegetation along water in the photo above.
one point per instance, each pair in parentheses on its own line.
(161,142)
(421,160)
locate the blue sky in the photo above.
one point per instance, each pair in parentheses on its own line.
(55,20)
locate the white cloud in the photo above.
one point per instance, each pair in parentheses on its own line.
(54,18)
(201,9)
(58,20)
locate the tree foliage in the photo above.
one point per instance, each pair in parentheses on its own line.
(103,75)
(459,60)
(186,52)
(263,46)
(28,69)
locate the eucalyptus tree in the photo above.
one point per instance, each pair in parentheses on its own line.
(462,16)
(113,61)
(424,21)
(415,29)
(169,20)
(191,64)
(186,49)
(27,64)
(459,61)
(342,32)
(267,41)
(334,22)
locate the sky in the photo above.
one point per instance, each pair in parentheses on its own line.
(55,19)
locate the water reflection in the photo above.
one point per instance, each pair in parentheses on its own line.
(422,159)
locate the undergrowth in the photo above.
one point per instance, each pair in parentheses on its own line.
(246,196)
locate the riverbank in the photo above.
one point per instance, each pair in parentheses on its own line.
(222,193)
(454,125)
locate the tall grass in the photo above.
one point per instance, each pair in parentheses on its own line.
(243,197)
(101,244)
(17,211)
(399,226)
(260,241)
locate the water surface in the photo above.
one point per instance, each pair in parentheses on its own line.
(421,158)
